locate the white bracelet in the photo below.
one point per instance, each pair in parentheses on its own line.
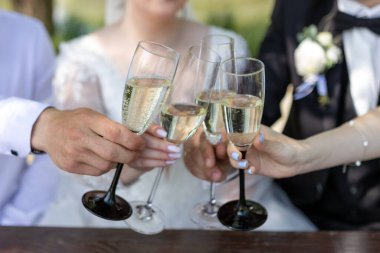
(365,142)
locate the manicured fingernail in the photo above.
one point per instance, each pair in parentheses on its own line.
(261,138)
(175,155)
(243,164)
(169,162)
(235,156)
(174,148)
(162,133)
(251,170)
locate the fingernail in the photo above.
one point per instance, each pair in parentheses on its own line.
(243,164)
(169,162)
(174,148)
(235,156)
(162,133)
(251,170)
(175,155)
(261,138)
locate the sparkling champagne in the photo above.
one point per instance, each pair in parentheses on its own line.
(213,123)
(142,102)
(181,121)
(242,117)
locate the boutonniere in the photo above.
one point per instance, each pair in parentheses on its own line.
(315,54)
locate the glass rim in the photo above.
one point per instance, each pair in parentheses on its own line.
(251,59)
(231,40)
(143,44)
(218,61)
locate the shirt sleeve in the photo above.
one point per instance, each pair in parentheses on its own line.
(18,115)
(17,119)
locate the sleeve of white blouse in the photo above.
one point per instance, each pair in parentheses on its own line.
(76,83)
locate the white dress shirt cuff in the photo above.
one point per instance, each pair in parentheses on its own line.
(17,119)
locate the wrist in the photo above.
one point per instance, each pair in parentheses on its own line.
(40,130)
(305,159)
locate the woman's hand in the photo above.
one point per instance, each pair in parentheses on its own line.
(272,154)
(157,153)
(205,161)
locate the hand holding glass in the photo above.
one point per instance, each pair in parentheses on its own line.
(242,110)
(181,115)
(149,77)
(205,214)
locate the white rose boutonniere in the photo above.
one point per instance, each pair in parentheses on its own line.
(315,54)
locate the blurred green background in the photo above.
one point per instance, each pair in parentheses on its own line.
(72,18)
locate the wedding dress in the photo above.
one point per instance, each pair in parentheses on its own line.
(178,191)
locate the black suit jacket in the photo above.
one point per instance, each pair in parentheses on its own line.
(331,198)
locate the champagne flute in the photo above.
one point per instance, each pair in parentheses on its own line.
(242,112)
(149,78)
(180,116)
(205,214)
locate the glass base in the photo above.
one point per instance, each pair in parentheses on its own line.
(94,202)
(245,218)
(146,219)
(205,215)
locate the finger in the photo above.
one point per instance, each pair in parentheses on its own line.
(236,158)
(207,152)
(234,153)
(114,131)
(109,150)
(259,141)
(156,130)
(221,151)
(86,169)
(148,153)
(148,164)
(95,161)
(195,163)
(153,142)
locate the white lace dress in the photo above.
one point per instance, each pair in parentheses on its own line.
(178,191)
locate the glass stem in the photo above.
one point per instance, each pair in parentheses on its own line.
(242,202)
(154,187)
(109,197)
(212,194)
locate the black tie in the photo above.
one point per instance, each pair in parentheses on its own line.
(344,21)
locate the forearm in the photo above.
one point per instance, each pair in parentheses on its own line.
(343,145)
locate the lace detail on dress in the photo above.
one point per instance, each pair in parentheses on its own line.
(83,78)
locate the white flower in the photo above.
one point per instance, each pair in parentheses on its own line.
(310,58)
(325,39)
(333,54)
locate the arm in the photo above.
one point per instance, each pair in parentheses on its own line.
(77,84)
(280,156)
(18,114)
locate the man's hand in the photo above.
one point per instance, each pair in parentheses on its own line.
(205,161)
(83,141)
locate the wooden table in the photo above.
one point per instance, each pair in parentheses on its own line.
(77,240)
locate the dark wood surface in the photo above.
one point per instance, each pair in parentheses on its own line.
(57,240)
